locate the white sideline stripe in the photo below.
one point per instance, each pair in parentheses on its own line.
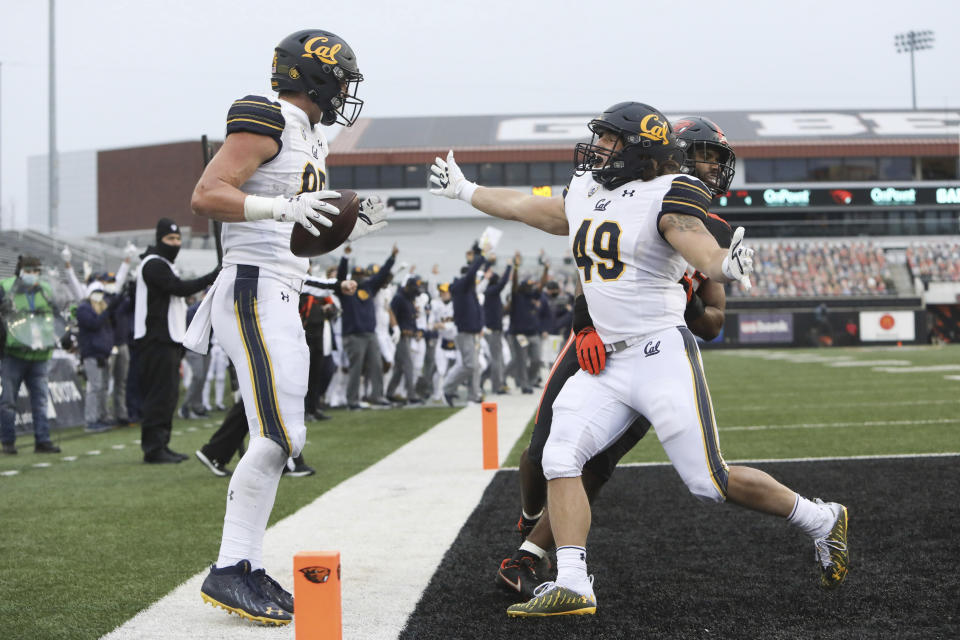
(951,377)
(392,523)
(827,425)
(892,456)
(869,363)
(929,369)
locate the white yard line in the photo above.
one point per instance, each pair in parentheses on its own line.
(829,425)
(893,456)
(392,523)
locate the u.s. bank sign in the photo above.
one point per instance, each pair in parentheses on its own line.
(743,126)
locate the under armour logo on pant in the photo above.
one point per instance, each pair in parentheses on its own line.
(285,296)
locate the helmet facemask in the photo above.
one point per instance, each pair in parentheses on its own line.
(637,158)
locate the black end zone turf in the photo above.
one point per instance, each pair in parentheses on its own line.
(667,566)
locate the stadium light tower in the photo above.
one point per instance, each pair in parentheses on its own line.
(909,42)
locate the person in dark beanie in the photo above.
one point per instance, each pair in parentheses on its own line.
(160,322)
(27,301)
(469,320)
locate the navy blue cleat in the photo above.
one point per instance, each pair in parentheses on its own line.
(237,590)
(272,590)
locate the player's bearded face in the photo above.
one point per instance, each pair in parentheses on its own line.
(707,167)
(609,141)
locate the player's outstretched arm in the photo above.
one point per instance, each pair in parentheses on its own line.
(688,235)
(542,213)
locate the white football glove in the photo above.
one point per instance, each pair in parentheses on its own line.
(372,217)
(449,178)
(303,209)
(738,264)
(130,250)
(65,254)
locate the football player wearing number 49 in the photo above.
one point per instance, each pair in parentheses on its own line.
(277,148)
(634,223)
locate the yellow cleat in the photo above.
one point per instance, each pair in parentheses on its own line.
(833,555)
(554,600)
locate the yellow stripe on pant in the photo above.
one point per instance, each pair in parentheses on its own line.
(258,358)
(708,425)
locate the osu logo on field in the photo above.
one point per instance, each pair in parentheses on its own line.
(317,575)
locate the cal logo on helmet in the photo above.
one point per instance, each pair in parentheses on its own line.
(653,129)
(322,51)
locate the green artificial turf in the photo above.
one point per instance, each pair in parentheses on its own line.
(768,405)
(88,543)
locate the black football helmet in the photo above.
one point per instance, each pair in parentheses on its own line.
(646,136)
(702,135)
(323,66)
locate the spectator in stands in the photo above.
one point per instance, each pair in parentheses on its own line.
(159,326)
(493,322)
(359,326)
(468,318)
(28,301)
(800,269)
(95,339)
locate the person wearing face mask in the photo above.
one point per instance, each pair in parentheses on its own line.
(95,338)
(28,301)
(160,320)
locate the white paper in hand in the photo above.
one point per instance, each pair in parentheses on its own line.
(490,238)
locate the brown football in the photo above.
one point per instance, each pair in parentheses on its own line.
(304,244)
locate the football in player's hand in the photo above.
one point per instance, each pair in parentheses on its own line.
(304,244)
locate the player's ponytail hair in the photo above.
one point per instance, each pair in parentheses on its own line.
(650,168)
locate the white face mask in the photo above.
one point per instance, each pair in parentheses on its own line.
(96,296)
(29,279)
(110,287)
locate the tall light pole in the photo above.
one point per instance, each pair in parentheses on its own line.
(52,164)
(909,42)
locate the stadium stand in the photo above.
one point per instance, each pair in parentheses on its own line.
(934,262)
(98,255)
(817,269)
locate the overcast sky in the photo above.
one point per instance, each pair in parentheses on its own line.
(151,71)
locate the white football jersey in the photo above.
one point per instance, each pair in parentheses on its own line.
(630,274)
(299,166)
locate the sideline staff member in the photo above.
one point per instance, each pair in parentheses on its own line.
(160,322)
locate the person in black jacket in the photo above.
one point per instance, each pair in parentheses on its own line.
(360,342)
(469,320)
(95,339)
(524,333)
(160,321)
(405,312)
(493,322)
